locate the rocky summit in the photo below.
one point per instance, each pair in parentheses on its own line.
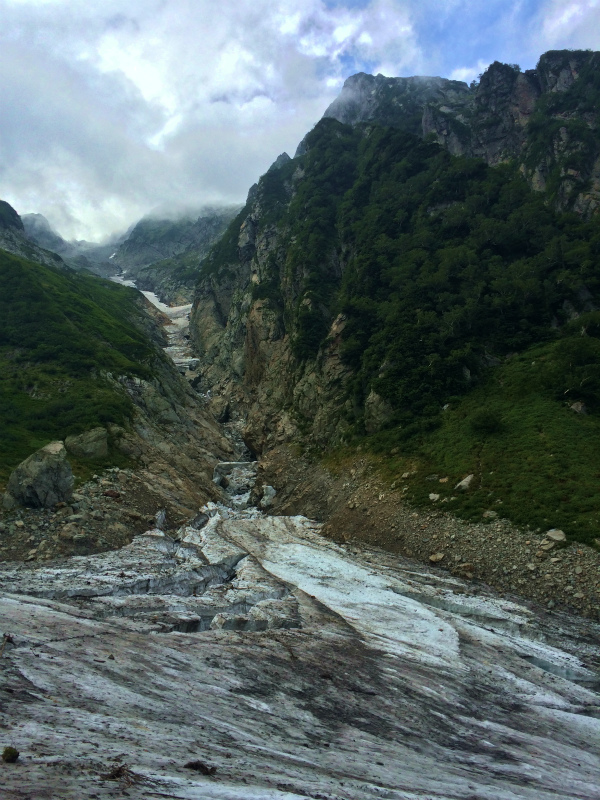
(315,514)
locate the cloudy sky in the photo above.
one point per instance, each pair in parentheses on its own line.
(111,109)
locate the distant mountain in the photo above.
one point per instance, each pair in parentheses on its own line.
(77,254)
(14,239)
(164,254)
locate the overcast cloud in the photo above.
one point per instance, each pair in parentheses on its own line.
(109,110)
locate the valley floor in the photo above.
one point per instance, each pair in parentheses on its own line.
(360,506)
(249,657)
(243,655)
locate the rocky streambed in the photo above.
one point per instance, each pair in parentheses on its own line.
(246,656)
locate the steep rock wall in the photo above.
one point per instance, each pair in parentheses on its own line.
(259,285)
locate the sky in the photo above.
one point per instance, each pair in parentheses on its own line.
(111,110)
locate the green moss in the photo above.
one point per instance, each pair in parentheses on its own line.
(10,755)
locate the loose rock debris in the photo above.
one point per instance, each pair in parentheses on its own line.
(305,668)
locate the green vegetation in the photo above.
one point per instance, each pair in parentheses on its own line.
(469,303)
(534,459)
(61,335)
(457,267)
(225,251)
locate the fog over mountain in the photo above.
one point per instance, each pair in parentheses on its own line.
(112,110)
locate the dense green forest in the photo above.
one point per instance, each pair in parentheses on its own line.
(470,308)
(61,333)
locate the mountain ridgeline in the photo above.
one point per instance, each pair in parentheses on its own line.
(425,274)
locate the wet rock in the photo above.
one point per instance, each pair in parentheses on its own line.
(43,479)
(267,497)
(92,444)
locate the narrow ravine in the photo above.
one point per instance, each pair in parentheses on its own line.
(244,655)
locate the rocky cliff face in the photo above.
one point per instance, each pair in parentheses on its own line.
(266,322)
(490,120)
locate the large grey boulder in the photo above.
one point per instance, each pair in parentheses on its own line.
(42,480)
(91,444)
(378,412)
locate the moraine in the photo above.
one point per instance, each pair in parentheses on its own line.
(293,666)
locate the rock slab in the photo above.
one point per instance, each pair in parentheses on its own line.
(91,444)
(42,480)
(286,666)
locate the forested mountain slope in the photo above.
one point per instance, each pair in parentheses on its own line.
(386,285)
(79,352)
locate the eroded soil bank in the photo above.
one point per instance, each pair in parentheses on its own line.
(358,505)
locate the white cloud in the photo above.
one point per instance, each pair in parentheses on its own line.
(468,74)
(570,24)
(110,109)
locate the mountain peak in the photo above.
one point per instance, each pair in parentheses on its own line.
(393,101)
(9,217)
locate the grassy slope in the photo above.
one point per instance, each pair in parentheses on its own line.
(534,459)
(60,334)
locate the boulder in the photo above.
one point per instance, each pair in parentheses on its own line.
(378,412)
(465,483)
(579,408)
(43,479)
(91,444)
(268,497)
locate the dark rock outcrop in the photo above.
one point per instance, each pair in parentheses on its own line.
(490,119)
(91,444)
